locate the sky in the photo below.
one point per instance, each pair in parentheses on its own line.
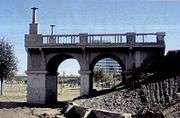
(91,16)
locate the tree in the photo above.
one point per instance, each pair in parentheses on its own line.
(98,76)
(8,62)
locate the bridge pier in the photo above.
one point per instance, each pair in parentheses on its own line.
(86,82)
(42,87)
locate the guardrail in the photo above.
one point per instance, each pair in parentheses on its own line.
(107,38)
(104,38)
(60,39)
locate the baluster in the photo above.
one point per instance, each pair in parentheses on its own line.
(71,39)
(143,38)
(57,39)
(48,40)
(44,40)
(74,39)
(120,39)
(60,39)
(66,40)
(115,39)
(89,39)
(77,39)
(101,39)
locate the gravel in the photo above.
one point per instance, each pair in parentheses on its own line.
(119,101)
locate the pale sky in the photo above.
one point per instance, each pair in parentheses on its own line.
(91,16)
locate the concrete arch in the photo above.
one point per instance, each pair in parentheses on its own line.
(56,60)
(107,55)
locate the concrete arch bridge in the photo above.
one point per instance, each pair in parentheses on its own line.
(46,52)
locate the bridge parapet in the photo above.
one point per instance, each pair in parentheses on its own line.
(130,38)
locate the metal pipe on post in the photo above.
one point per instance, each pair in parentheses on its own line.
(52,39)
(52,29)
(34,15)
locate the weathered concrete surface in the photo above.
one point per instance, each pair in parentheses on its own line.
(36,89)
(42,88)
(85,83)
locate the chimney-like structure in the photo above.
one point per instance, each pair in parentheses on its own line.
(33,26)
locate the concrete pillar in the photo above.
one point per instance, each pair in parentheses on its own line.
(51,88)
(137,59)
(160,37)
(41,87)
(83,37)
(86,83)
(131,37)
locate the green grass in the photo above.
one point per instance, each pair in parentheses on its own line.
(17,93)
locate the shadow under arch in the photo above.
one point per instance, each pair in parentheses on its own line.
(55,61)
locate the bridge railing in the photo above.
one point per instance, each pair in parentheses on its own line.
(107,38)
(89,39)
(60,39)
(146,38)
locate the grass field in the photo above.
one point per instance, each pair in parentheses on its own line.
(17,93)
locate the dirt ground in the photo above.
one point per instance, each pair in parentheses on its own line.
(13,110)
(13,103)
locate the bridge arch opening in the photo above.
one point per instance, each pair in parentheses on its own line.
(66,68)
(107,71)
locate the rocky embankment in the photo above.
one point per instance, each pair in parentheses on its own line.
(132,102)
(118,101)
(155,91)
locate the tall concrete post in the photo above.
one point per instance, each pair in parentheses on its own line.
(83,37)
(85,80)
(41,85)
(131,37)
(33,26)
(160,37)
